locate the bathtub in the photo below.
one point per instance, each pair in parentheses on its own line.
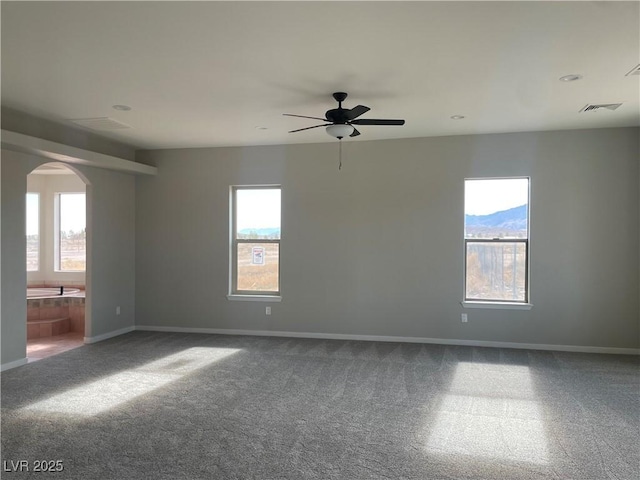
(51,314)
(52,292)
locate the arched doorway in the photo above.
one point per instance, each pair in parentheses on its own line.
(57,267)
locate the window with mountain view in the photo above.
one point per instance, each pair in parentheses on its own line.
(496,231)
(255,240)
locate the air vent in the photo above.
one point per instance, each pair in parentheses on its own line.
(100,123)
(634,71)
(590,107)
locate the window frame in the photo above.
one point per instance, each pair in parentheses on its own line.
(57,247)
(488,302)
(39,223)
(525,241)
(234,292)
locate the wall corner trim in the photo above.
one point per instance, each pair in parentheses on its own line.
(106,336)
(65,153)
(14,364)
(381,338)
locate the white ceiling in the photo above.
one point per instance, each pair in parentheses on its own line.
(52,169)
(200,74)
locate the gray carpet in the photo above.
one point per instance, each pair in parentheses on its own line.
(186,406)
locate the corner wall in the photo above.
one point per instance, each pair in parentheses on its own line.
(111,251)
(377,248)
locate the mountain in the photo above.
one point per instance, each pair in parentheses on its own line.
(271,232)
(512,219)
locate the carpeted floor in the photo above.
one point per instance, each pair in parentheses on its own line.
(186,406)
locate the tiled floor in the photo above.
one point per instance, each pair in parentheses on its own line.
(40,348)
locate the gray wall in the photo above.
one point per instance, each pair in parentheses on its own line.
(377,248)
(111,251)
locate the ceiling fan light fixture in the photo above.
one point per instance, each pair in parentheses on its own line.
(340,130)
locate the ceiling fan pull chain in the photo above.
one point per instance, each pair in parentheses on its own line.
(340,155)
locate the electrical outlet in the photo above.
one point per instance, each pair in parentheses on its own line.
(117,310)
(464,318)
(267,310)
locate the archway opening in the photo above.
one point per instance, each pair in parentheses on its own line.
(57,267)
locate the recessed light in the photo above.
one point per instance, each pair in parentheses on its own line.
(122,108)
(262,128)
(570,78)
(457,117)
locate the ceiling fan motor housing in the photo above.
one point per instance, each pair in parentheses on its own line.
(337,115)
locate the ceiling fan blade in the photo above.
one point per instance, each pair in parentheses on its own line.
(300,129)
(302,116)
(355,112)
(355,133)
(376,121)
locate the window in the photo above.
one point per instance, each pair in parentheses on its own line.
(71,232)
(33,232)
(496,240)
(255,240)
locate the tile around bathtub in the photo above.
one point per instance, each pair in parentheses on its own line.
(33,313)
(33,331)
(48,313)
(46,330)
(77,322)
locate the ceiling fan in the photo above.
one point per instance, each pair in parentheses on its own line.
(341,121)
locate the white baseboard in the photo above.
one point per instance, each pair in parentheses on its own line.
(14,364)
(381,338)
(339,336)
(106,336)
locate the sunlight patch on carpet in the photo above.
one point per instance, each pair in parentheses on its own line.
(114,390)
(491,411)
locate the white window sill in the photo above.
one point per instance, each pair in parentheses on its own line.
(498,305)
(254,298)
